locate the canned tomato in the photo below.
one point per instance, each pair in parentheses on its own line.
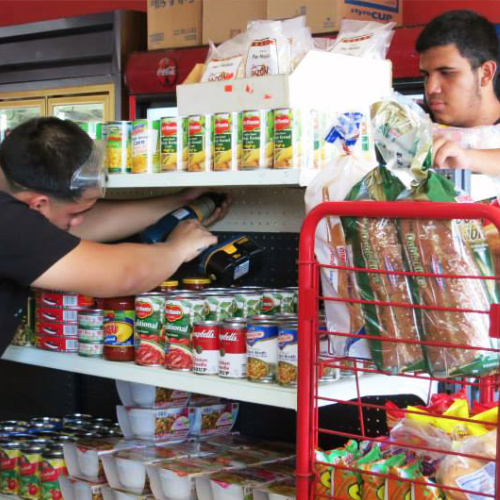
(56,344)
(61,314)
(91,319)
(30,471)
(206,347)
(221,306)
(145,146)
(119,147)
(262,351)
(62,299)
(180,316)
(232,350)
(10,453)
(149,336)
(52,468)
(248,303)
(56,328)
(288,355)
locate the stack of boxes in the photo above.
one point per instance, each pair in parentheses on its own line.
(181,23)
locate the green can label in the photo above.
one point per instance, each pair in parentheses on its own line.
(257,139)
(52,469)
(119,147)
(145,146)
(9,471)
(227,140)
(247,304)
(287,134)
(169,144)
(200,143)
(221,307)
(30,475)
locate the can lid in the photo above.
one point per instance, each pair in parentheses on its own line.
(207,323)
(196,281)
(169,283)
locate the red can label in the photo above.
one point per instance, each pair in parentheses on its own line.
(206,347)
(54,328)
(66,315)
(56,344)
(58,299)
(232,349)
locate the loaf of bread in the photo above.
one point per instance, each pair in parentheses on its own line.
(434,246)
(382,250)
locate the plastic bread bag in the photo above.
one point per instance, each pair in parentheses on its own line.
(473,474)
(268,49)
(450,247)
(364,39)
(224,62)
(375,245)
(333,183)
(403,136)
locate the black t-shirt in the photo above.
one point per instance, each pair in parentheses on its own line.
(29,245)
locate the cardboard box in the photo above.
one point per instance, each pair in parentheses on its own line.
(223,19)
(174,23)
(324,16)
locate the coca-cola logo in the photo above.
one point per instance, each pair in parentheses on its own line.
(251,123)
(173,313)
(167,72)
(143,309)
(222,126)
(282,122)
(169,128)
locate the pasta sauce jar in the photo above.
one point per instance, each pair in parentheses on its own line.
(119,319)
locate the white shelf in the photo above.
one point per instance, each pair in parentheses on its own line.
(259,177)
(242,390)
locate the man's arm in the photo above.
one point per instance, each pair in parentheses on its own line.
(114,220)
(102,270)
(449,154)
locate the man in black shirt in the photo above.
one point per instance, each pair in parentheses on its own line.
(459,53)
(54,229)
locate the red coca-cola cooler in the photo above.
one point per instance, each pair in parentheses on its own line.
(152,77)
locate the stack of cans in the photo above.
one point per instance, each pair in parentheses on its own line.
(56,319)
(91,333)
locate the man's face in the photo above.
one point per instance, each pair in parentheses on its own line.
(67,215)
(452,87)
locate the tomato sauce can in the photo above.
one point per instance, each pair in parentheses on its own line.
(288,354)
(248,303)
(57,329)
(221,306)
(119,318)
(10,453)
(56,344)
(262,350)
(53,467)
(149,335)
(30,474)
(180,315)
(232,350)
(206,347)
(59,299)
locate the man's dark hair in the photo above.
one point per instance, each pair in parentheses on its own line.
(474,36)
(42,154)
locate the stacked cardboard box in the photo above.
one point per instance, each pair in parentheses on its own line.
(187,23)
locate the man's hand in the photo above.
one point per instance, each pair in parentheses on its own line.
(190,194)
(449,154)
(190,238)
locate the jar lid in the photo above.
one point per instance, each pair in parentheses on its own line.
(196,281)
(170,283)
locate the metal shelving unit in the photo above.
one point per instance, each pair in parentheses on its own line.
(266,394)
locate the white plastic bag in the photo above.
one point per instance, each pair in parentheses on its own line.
(333,183)
(268,50)
(363,39)
(225,61)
